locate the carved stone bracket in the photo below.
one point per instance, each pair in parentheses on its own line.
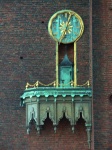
(56,103)
(88,129)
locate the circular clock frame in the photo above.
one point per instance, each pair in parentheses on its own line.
(65,27)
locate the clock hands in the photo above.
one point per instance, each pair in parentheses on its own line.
(64,32)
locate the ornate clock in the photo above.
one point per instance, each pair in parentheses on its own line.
(65,26)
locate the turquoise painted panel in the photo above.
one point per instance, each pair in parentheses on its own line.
(66,76)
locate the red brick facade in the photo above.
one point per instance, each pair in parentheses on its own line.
(102,73)
(28,54)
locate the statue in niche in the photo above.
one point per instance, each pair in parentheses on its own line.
(32,113)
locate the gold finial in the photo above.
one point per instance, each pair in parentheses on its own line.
(54,84)
(37,84)
(72,83)
(88,83)
(27,85)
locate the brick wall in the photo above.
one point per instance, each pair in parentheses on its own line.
(102,73)
(27,55)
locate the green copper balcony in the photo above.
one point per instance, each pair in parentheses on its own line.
(55,92)
(55,102)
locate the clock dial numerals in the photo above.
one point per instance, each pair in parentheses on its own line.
(55,34)
(66,26)
(76,33)
(78,27)
(66,15)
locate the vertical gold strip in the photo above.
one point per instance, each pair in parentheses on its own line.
(75,65)
(56,64)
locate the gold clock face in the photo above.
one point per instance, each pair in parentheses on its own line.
(65,26)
